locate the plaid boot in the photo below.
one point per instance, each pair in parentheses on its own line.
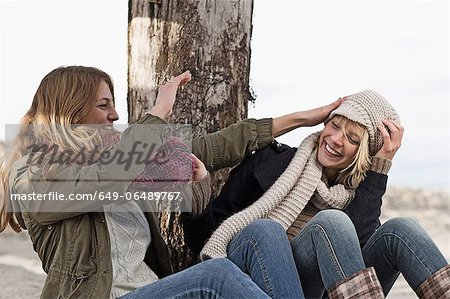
(437,286)
(362,284)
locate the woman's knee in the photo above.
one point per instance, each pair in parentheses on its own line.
(332,220)
(264,236)
(331,225)
(402,226)
(397,232)
(224,266)
(265,228)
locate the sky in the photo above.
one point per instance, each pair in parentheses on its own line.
(305,54)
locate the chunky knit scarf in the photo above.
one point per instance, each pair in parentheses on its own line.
(285,200)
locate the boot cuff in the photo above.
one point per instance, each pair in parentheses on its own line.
(437,286)
(362,284)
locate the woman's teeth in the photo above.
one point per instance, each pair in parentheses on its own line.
(332,151)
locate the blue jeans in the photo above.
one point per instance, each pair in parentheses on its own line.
(262,250)
(326,251)
(216,278)
(401,245)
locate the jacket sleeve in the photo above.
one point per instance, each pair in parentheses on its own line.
(88,180)
(227,147)
(365,209)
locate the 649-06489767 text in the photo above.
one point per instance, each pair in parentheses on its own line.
(103,196)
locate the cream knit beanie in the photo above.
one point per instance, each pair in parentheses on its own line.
(367,108)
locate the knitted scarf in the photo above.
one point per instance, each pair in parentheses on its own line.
(284,200)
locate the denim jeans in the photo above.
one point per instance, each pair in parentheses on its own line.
(216,278)
(326,251)
(262,250)
(401,245)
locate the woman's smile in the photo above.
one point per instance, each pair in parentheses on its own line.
(332,152)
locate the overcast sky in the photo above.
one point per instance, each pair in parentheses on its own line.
(304,54)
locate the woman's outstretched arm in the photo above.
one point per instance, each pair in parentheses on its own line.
(308,118)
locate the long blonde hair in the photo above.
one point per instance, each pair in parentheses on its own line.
(65,96)
(355,173)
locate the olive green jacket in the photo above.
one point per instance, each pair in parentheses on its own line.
(74,246)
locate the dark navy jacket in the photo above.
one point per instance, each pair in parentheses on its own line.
(255,174)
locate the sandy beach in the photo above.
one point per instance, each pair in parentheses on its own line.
(22,276)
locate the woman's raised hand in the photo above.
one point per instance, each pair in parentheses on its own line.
(392,139)
(319,115)
(199,171)
(166,95)
(308,118)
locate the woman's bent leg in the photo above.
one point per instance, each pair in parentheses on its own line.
(216,278)
(326,252)
(263,251)
(402,245)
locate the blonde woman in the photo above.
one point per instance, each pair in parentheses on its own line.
(319,193)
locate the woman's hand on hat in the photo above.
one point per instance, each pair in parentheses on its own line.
(317,116)
(199,172)
(392,139)
(167,93)
(308,118)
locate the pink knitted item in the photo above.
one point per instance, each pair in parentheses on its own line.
(171,166)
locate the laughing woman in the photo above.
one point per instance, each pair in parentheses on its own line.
(319,193)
